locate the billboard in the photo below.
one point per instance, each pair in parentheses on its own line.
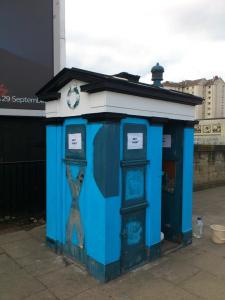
(26,52)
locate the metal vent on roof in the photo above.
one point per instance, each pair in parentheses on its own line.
(128,76)
(157,74)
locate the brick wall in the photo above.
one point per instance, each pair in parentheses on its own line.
(209,166)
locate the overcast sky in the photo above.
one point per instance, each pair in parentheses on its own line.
(187,37)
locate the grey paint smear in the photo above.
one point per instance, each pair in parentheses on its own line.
(107,159)
(74,220)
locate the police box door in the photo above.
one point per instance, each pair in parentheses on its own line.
(134,203)
(172,182)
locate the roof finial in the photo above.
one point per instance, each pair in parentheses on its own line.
(157,74)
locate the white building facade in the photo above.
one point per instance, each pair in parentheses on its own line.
(213,92)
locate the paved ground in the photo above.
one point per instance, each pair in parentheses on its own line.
(28,270)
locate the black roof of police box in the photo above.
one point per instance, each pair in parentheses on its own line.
(97,82)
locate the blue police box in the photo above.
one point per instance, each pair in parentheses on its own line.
(119,168)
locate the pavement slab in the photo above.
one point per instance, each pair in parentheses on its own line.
(39,233)
(13,237)
(68,281)
(210,263)
(205,285)
(18,285)
(38,255)
(46,295)
(26,251)
(145,286)
(42,266)
(215,249)
(7,265)
(175,270)
(186,253)
(95,294)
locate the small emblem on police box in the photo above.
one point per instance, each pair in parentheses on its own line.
(73,97)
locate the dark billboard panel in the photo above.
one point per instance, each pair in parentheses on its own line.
(26,51)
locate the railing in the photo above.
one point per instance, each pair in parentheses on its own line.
(22,187)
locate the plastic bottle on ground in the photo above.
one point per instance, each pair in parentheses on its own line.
(198,228)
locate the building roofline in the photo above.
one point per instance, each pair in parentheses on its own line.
(97,82)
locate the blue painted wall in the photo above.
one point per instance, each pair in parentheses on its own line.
(112,229)
(91,201)
(100,216)
(154,185)
(93,205)
(188,154)
(54,182)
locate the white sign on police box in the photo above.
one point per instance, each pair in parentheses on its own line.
(74,141)
(135,140)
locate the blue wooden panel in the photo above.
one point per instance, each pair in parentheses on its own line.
(54,183)
(134,202)
(187,179)
(133,239)
(102,215)
(154,185)
(112,229)
(134,231)
(134,184)
(93,204)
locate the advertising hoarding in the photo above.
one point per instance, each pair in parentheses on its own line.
(26,52)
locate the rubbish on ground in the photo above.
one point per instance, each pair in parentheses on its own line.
(198,228)
(218,234)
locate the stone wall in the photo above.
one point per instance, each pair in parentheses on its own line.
(209,166)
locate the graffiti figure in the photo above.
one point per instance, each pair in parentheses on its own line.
(74,221)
